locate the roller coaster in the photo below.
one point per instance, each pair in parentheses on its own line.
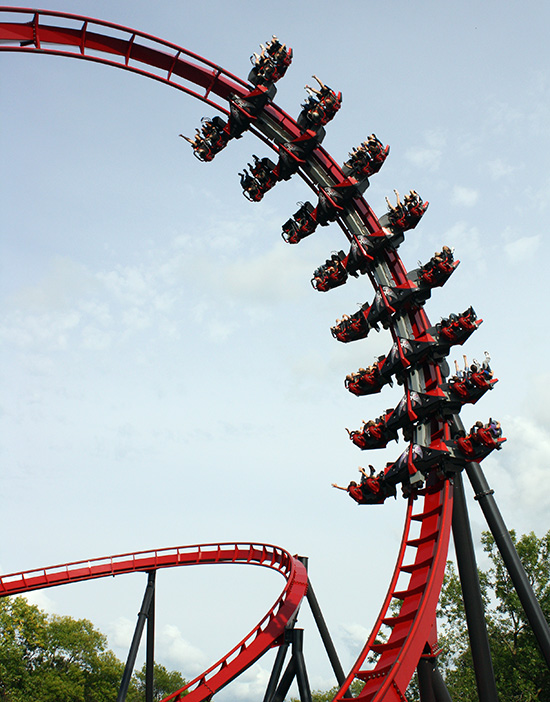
(429,472)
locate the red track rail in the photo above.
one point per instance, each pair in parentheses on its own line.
(121,47)
(253,646)
(411,625)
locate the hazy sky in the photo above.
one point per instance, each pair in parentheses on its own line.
(168,373)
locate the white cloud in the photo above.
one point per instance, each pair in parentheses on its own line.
(425,158)
(428,157)
(179,653)
(522,249)
(273,275)
(41,600)
(464,197)
(251,684)
(498,168)
(120,632)
(353,636)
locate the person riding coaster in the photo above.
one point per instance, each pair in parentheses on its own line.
(367,158)
(271,63)
(480,441)
(331,274)
(301,224)
(438,269)
(455,329)
(352,328)
(320,107)
(406,215)
(262,179)
(374,434)
(472,382)
(210,139)
(372,489)
(367,381)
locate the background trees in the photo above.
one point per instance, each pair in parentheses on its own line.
(60,659)
(520,670)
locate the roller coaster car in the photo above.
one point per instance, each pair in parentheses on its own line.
(358,259)
(318,111)
(245,109)
(406,353)
(436,272)
(301,224)
(367,381)
(293,154)
(367,159)
(374,434)
(413,465)
(416,407)
(479,443)
(331,274)
(353,327)
(390,300)
(333,201)
(271,65)
(263,178)
(468,390)
(455,329)
(404,216)
(375,490)
(212,138)
(384,238)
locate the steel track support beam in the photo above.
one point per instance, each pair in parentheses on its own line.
(150,654)
(533,612)
(431,685)
(325,637)
(296,668)
(471,592)
(301,672)
(142,616)
(286,681)
(277,669)
(324,632)
(425,686)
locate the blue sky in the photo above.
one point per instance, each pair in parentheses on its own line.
(168,373)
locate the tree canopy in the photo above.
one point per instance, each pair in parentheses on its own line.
(520,670)
(60,659)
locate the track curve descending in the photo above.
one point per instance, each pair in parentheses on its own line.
(412,623)
(246,652)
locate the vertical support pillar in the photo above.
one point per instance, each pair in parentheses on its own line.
(325,636)
(130,662)
(425,686)
(301,672)
(324,632)
(440,689)
(471,591)
(277,668)
(150,655)
(533,612)
(431,685)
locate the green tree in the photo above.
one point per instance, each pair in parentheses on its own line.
(55,658)
(164,683)
(521,672)
(60,659)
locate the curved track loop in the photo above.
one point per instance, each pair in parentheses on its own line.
(253,646)
(414,625)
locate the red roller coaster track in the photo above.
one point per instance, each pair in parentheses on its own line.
(254,645)
(421,559)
